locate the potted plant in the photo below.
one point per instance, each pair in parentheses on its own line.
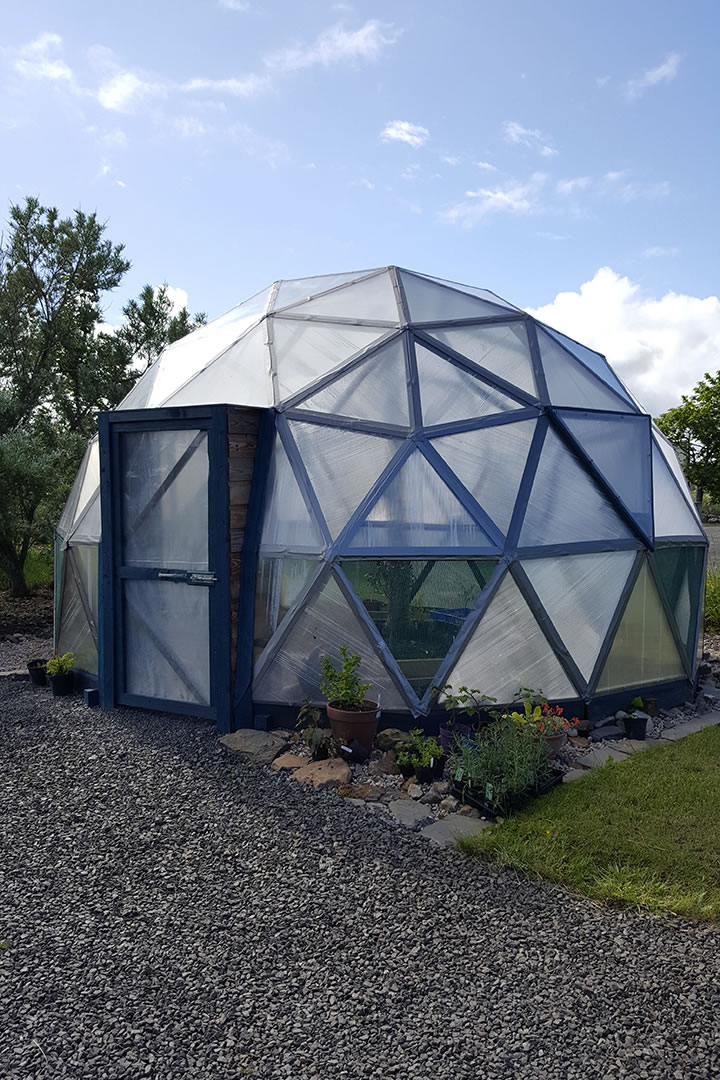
(547,721)
(37,672)
(421,756)
(60,676)
(316,729)
(636,720)
(471,704)
(350,714)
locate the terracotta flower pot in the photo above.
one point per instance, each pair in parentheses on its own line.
(349,724)
(555,743)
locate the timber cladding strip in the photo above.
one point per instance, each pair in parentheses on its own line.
(242,442)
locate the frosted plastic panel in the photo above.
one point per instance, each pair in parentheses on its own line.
(418,606)
(69,514)
(342,466)
(295,290)
(668,452)
(508,650)
(503,350)
(142,391)
(620,449)
(240,375)
(482,294)
(680,570)
(89,526)
(643,650)
(293,673)
(565,505)
(279,584)
(306,350)
(490,463)
(167,641)
(570,383)
(288,525)
(375,390)
(91,480)
(593,360)
(165,498)
(429,302)
(447,393)
(580,593)
(75,634)
(85,558)
(418,510)
(673,516)
(371,299)
(58,583)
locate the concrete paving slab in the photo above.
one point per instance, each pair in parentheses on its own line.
(707,720)
(599,755)
(446,831)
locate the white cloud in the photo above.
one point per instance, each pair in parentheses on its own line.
(567,187)
(177,297)
(247,86)
(271,151)
(450,160)
(513,198)
(335,45)
(235,5)
(659,252)
(121,183)
(616,186)
(414,135)
(551,236)
(602,80)
(115,139)
(126,90)
(189,127)
(659,347)
(663,73)
(40,59)
(530,137)
(486,165)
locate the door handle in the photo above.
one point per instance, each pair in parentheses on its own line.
(201,579)
(172,575)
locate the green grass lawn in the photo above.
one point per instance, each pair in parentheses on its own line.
(642,832)
(38,567)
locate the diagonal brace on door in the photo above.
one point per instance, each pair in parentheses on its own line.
(168,481)
(167,654)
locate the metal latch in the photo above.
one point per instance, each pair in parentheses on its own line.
(201,579)
(172,575)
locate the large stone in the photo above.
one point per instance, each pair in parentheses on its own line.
(322,774)
(610,731)
(261,747)
(364,792)
(409,813)
(579,740)
(447,831)
(449,804)
(388,738)
(415,791)
(441,787)
(289,761)
(431,798)
(385,765)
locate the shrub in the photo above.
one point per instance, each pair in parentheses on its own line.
(343,688)
(502,762)
(712,598)
(60,665)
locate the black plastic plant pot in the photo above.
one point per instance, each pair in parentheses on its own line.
(406,770)
(37,672)
(427,773)
(62,685)
(476,798)
(635,727)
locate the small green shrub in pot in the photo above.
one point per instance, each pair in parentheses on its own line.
(59,673)
(351,715)
(421,755)
(500,765)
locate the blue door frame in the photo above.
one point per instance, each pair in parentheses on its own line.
(111,658)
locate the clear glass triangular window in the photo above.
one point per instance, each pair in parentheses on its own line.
(502,350)
(619,447)
(490,463)
(418,510)
(643,650)
(570,383)
(304,351)
(429,302)
(327,621)
(418,606)
(593,360)
(508,650)
(296,290)
(580,593)
(673,516)
(448,393)
(680,570)
(565,504)
(374,390)
(288,525)
(370,300)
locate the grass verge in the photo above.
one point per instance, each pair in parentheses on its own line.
(642,832)
(38,568)
(712,598)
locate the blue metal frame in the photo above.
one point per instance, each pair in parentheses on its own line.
(615,622)
(306,489)
(528,479)
(556,643)
(554,335)
(457,427)
(538,369)
(451,290)
(445,352)
(345,367)
(628,406)
(463,496)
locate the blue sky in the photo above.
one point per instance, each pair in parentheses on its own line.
(564,154)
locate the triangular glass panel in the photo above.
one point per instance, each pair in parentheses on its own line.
(288,525)
(643,650)
(593,360)
(374,390)
(490,463)
(448,393)
(668,451)
(673,516)
(280,582)
(570,383)
(418,606)
(565,505)
(508,650)
(296,290)
(304,351)
(241,373)
(429,302)
(580,594)
(372,300)
(342,465)
(500,349)
(482,294)
(680,570)
(620,449)
(327,621)
(418,510)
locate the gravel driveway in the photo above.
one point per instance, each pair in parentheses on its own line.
(170,912)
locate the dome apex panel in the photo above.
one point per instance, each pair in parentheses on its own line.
(428,302)
(371,299)
(296,290)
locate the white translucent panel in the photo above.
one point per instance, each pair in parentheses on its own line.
(165,498)
(328,621)
(593,360)
(374,390)
(239,376)
(418,510)
(342,466)
(85,560)
(295,290)
(570,383)
(503,350)
(448,393)
(306,350)
(643,650)
(565,504)
(482,294)
(490,463)
(673,516)
(89,526)
(508,650)
(370,299)
(280,582)
(141,393)
(668,452)
(619,447)
(70,510)
(91,480)
(287,524)
(167,640)
(429,302)
(580,593)
(75,633)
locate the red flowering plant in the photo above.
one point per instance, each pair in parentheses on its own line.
(540,716)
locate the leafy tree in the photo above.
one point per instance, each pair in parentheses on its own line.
(694,427)
(150,326)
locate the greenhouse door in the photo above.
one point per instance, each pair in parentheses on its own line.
(165,559)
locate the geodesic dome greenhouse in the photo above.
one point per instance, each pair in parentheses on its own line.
(407,466)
